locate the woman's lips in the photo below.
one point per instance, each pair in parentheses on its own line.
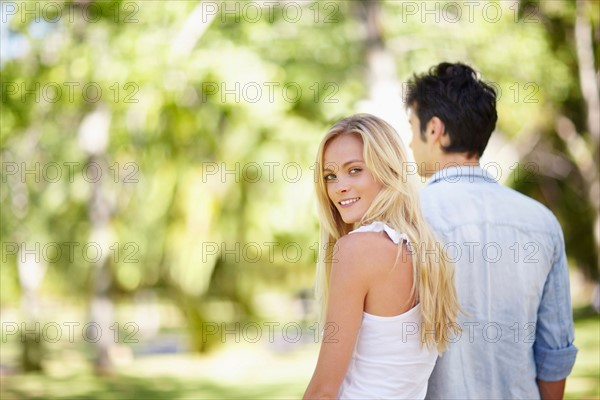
(348,202)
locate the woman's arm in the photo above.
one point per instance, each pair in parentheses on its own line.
(348,288)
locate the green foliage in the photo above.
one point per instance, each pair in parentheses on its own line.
(171,125)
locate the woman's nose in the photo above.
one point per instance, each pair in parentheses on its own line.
(341,186)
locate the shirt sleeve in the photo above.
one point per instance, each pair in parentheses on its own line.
(553,349)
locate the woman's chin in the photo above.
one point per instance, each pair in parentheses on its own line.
(348,219)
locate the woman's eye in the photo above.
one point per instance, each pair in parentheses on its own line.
(329,177)
(355,170)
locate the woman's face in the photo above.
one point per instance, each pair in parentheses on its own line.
(350,185)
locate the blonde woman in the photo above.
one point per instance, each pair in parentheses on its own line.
(387,292)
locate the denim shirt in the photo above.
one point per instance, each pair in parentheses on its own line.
(512,281)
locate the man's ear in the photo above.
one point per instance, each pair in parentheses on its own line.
(435,131)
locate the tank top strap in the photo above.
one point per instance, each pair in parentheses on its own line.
(379,226)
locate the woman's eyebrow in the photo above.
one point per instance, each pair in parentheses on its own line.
(343,165)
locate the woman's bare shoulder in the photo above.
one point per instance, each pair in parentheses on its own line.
(365,249)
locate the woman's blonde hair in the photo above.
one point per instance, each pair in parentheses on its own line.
(397,205)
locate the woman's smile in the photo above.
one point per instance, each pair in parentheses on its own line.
(348,202)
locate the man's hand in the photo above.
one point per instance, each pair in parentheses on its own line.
(551,390)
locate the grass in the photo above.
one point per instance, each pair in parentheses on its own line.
(584,381)
(238,371)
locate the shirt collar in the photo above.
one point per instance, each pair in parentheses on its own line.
(455,173)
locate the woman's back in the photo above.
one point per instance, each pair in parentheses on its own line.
(390,288)
(389,360)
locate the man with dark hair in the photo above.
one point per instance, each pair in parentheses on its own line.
(512,276)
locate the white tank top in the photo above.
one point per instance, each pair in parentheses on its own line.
(388,361)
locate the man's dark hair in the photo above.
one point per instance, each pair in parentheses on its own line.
(465,104)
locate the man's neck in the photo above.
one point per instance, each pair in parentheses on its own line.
(455,160)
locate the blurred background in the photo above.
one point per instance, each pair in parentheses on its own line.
(158,228)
